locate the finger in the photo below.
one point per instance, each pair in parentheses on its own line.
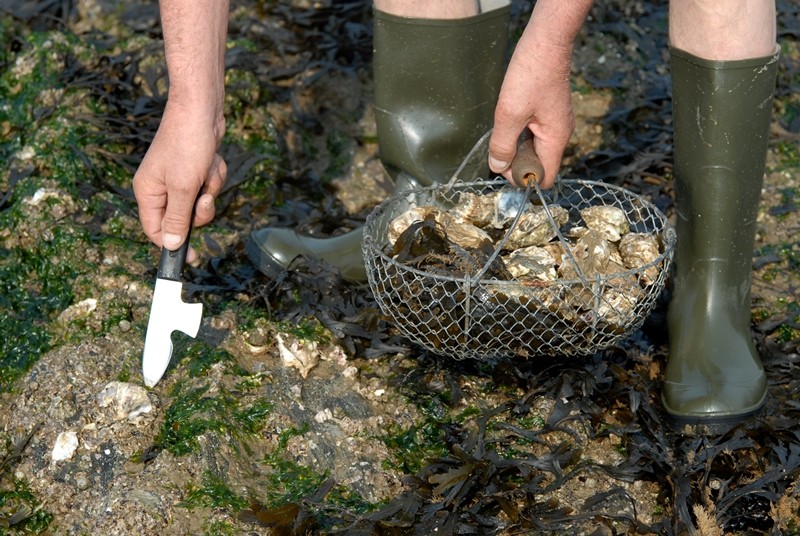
(217,177)
(550,156)
(503,145)
(191,255)
(175,225)
(204,210)
(151,209)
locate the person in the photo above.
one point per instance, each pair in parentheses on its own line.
(439,85)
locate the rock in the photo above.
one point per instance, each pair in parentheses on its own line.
(82,481)
(65,447)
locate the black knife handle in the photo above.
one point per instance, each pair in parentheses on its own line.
(172,261)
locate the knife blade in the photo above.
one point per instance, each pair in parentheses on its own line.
(168,313)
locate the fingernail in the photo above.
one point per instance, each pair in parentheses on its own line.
(171,241)
(497,165)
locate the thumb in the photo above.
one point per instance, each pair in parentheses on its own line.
(502,149)
(177,218)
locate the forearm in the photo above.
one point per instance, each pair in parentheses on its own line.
(551,31)
(195,34)
(536,88)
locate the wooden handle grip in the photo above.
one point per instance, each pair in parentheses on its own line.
(526,166)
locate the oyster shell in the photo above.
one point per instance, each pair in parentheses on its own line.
(467,235)
(533,262)
(620,299)
(637,250)
(593,254)
(535,229)
(475,209)
(507,205)
(402,222)
(463,234)
(607,219)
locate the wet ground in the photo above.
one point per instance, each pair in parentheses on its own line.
(299,409)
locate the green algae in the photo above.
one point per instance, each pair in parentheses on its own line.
(197,356)
(213,492)
(193,413)
(35,285)
(306,329)
(220,528)
(48,153)
(20,498)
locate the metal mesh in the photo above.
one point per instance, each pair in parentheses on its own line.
(467,317)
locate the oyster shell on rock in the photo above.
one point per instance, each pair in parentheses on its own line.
(607,219)
(535,229)
(637,250)
(534,262)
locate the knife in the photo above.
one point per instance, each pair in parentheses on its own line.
(168,313)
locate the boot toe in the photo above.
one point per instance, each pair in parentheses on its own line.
(273,250)
(712,403)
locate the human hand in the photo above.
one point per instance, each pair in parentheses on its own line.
(181,171)
(536,90)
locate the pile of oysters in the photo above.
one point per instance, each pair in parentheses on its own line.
(595,271)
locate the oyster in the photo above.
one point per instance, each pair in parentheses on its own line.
(619,303)
(507,205)
(593,254)
(533,262)
(398,225)
(535,229)
(607,219)
(475,209)
(467,235)
(637,250)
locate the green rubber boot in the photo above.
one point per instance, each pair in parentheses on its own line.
(721,116)
(436,86)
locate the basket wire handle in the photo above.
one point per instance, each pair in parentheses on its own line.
(481,144)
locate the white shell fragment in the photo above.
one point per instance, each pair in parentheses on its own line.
(607,219)
(128,400)
(637,250)
(65,446)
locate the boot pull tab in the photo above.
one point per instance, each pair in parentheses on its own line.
(526,166)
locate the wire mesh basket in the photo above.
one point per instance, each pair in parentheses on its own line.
(475,314)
